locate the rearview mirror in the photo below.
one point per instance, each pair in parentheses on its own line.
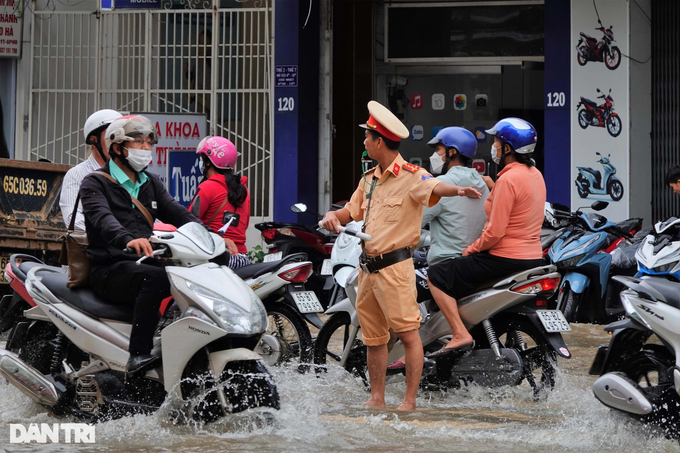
(598,90)
(560,207)
(299,208)
(598,153)
(599,205)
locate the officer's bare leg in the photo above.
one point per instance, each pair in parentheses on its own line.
(449,308)
(377,365)
(414,367)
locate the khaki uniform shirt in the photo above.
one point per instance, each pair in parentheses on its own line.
(399,194)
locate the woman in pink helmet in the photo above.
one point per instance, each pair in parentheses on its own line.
(221,191)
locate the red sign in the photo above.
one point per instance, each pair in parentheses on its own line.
(479,165)
(416,101)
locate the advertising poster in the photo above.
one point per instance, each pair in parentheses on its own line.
(175,131)
(600,105)
(183,174)
(10,30)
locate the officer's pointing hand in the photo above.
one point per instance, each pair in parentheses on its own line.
(330,222)
(469,192)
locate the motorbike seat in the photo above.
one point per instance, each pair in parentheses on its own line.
(587,37)
(85,299)
(628,225)
(596,173)
(667,288)
(589,102)
(27,266)
(255,270)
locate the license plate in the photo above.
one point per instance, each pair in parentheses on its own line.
(326,267)
(553,321)
(307,302)
(273,257)
(4,260)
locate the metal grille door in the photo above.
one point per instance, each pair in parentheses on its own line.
(217,62)
(665,105)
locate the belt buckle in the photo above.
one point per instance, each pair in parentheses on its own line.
(364,268)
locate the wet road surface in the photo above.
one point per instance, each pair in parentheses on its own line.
(324,413)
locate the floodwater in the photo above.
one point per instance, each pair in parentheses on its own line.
(324,413)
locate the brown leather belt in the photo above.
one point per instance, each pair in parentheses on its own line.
(373,264)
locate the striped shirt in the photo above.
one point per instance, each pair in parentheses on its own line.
(70,188)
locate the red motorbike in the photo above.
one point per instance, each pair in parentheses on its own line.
(599,115)
(590,49)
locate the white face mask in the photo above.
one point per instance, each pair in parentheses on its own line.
(138,159)
(436,163)
(200,165)
(494,155)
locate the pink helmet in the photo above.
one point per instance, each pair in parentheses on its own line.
(221,152)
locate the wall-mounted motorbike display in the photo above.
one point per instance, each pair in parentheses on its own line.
(590,181)
(599,115)
(590,49)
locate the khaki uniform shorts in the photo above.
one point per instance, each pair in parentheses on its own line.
(387,299)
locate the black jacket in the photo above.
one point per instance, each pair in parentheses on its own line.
(112,222)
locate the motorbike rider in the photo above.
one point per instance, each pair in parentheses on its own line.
(93,130)
(455,222)
(510,241)
(390,200)
(221,191)
(114,221)
(673,179)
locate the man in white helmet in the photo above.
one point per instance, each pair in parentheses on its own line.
(93,130)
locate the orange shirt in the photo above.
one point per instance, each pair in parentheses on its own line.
(399,195)
(514,213)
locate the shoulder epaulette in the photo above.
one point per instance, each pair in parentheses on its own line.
(410,167)
(370,170)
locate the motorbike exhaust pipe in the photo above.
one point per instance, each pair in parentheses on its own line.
(617,391)
(30,381)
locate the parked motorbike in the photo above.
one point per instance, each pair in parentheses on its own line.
(599,115)
(659,253)
(604,50)
(585,293)
(639,378)
(590,181)
(70,353)
(501,317)
(284,239)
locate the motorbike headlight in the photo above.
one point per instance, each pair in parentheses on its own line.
(665,267)
(234,318)
(571,262)
(343,240)
(630,310)
(582,247)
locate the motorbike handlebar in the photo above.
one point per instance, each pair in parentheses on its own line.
(363,236)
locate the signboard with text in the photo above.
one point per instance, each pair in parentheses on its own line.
(10,30)
(183,175)
(175,131)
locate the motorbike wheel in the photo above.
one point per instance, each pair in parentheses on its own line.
(581,61)
(649,368)
(582,193)
(612,59)
(38,349)
(615,190)
(614,125)
(540,361)
(568,302)
(246,384)
(583,119)
(287,338)
(332,340)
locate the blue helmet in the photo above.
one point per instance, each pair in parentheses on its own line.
(520,134)
(456,137)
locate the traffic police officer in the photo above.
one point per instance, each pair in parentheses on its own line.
(390,200)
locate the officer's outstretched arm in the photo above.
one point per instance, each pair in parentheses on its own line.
(333,219)
(444,189)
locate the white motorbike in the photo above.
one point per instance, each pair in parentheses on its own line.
(638,377)
(515,333)
(70,354)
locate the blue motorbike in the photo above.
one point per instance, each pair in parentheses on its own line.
(580,257)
